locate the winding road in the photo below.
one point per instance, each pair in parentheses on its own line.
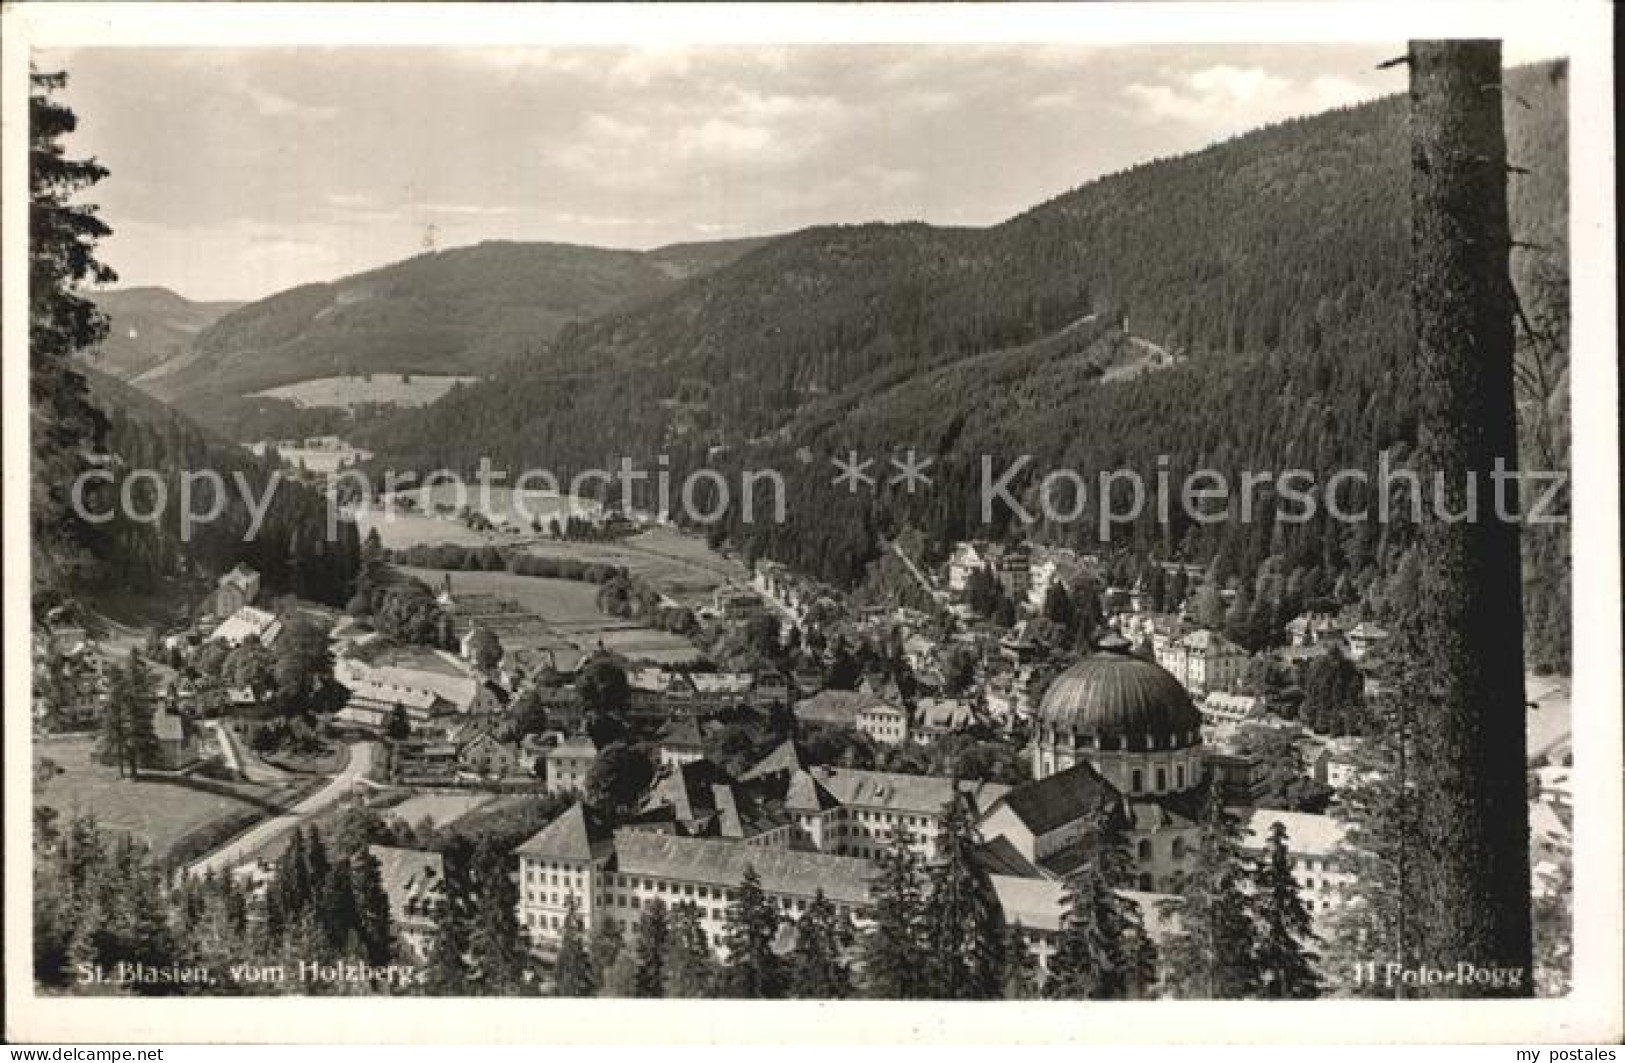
(243,848)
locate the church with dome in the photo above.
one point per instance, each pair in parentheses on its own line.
(1118,733)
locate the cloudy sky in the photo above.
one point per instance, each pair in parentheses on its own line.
(240,172)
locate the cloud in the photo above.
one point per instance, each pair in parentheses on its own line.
(1235,97)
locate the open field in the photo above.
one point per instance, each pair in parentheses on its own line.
(438,809)
(513,512)
(161,811)
(558,615)
(680,566)
(403,390)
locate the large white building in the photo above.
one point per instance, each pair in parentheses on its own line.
(1319,848)
(427,684)
(1204,661)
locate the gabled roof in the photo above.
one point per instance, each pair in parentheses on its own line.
(1059,799)
(573,746)
(167,726)
(715,862)
(806,794)
(839,708)
(1209,641)
(682,733)
(910,794)
(785,757)
(686,789)
(408,875)
(1307,834)
(576,834)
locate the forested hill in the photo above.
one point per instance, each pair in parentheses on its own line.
(149,326)
(291,548)
(1272,269)
(459,311)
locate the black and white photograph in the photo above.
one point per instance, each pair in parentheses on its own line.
(811,505)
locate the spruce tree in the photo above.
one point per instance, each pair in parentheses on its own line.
(1286,966)
(446,972)
(894,948)
(818,970)
(65,424)
(371,905)
(497,948)
(964,923)
(572,969)
(1377,919)
(1465,636)
(1211,957)
(604,948)
(650,948)
(1022,977)
(753,970)
(689,970)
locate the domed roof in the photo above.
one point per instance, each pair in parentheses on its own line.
(1112,692)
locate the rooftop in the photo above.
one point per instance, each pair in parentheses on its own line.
(722,863)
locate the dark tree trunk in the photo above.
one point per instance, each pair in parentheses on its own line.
(1466,637)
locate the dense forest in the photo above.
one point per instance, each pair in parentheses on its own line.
(293,548)
(1269,270)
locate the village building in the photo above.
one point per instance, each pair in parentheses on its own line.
(1322,858)
(427,684)
(483,754)
(938,718)
(858,710)
(247,622)
(1010,565)
(414,880)
(1204,661)
(568,764)
(1222,707)
(680,742)
(176,746)
(736,605)
(1364,638)
(236,589)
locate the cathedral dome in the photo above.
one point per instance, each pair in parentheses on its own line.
(1112,694)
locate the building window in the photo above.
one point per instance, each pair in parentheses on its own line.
(1145,882)
(1179,848)
(1179,776)
(1162,779)
(1136,780)
(1145,848)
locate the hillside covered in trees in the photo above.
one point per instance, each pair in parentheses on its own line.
(464,310)
(1272,269)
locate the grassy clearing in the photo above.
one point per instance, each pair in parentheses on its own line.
(161,811)
(348,391)
(438,809)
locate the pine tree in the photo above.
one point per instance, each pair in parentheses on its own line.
(371,904)
(650,946)
(1286,967)
(689,970)
(1022,977)
(964,922)
(622,979)
(572,970)
(65,424)
(818,970)
(894,949)
(497,949)
(1102,951)
(753,970)
(447,972)
(1466,635)
(1211,956)
(604,949)
(1376,920)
